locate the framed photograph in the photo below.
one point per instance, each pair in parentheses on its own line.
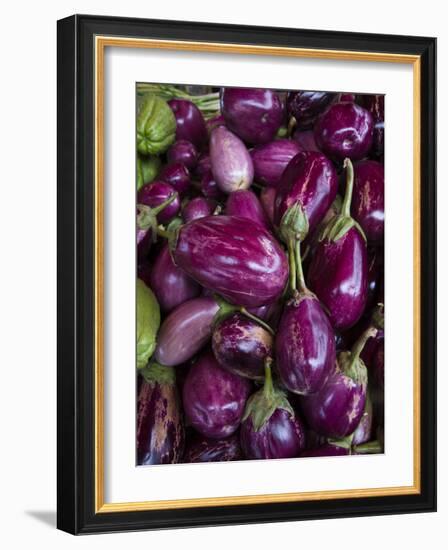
(246,274)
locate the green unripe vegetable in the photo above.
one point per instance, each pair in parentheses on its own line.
(147,170)
(156,126)
(148,322)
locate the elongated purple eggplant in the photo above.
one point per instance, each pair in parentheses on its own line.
(254,114)
(157,193)
(200,207)
(214,398)
(190,124)
(270,428)
(344,130)
(245,204)
(271,159)
(160,430)
(310,180)
(171,286)
(204,449)
(336,410)
(327,449)
(234,257)
(231,162)
(368,199)
(375,105)
(185,331)
(178,176)
(338,268)
(242,345)
(183,151)
(305,106)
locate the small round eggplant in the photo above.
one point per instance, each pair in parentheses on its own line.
(305,106)
(270,428)
(214,398)
(241,346)
(231,162)
(200,207)
(344,130)
(368,199)
(209,187)
(178,176)
(183,151)
(156,193)
(160,430)
(190,124)
(245,204)
(204,449)
(253,114)
(271,159)
(185,331)
(203,165)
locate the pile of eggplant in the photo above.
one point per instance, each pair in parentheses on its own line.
(260,290)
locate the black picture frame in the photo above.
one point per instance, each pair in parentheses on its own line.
(75,403)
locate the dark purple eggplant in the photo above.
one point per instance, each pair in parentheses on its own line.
(171,286)
(305,138)
(267,199)
(368,199)
(338,269)
(245,204)
(190,124)
(183,151)
(305,106)
(210,189)
(214,398)
(242,345)
(254,114)
(327,449)
(203,165)
(178,176)
(200,207)
(185,331)
(271,159)
(160,430)
(375,105)
(231,162)
(344,130)
(270,428)
(204,449)
(156,194)
(234,257)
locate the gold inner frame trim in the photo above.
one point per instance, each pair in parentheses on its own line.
(101,42)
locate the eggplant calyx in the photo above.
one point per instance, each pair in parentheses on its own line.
(155,373)
(294,225)
(353,367)
(344,442)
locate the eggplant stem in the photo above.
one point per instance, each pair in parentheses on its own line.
(249,315)
(371,447)
(358,346)
(298,261)
(292,266)
(268,387)
(345,210)
(157,209)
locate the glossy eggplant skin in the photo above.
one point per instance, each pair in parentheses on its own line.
(254,114)
(155,193)
(368,199)
(190,124)
(271,159)
(375,105)
(245,204)
(305,106)
(171,286)
(305,345)
(241,346)
(204,449)
(178,176)
(338,275)
(234,257)
(185,331)
(210,189)
(326,450)
(183,151)
(310,179)
(199,207)
(214,398)
(344,130)
(160,431)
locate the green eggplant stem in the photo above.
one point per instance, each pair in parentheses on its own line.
(358,346)
(157,209)
(268,388)
(299,270)
(371,447)
(226,309)
(292,266)
(345,210)
(249,315)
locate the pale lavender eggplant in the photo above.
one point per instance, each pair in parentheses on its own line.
(199,207)
(254,114)
(185,331)
(241,346)
(209,187)
(178,176)
(245,204)
(328,449)
(363,432)
(267,199)
(204,449)
(190,124)
(231,162)
(344,130)
(155,193)
(305,138)
(368,199)
(271,159)
(234,257)
(305,106)
(171,286)
(183,151)
(214,398)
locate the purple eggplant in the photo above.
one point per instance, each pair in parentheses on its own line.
(200,207)
(338,269)
(327,449)
(305,106)
(310,181)
(305,138)
(368,199)
(234,257)
(375,105)
(241,345)
(344,130)
(267,199)
(245,204)
(185,331)
(157,193)
(171,286)
(190,124)
(178,176)
(254,114)
(183,151)
(214,122)
(209,187)
(336,410)
(203,165)
(231,162)
(363,432)
(270,428)
(160,430)
(271,159)
(214,398)
(204,449)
